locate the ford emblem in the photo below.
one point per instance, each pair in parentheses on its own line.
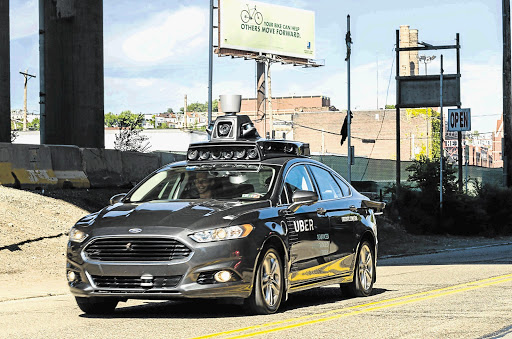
(135,230)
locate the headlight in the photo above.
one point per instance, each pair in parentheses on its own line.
(223,233)
(76,235)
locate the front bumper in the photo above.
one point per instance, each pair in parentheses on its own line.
(191,277)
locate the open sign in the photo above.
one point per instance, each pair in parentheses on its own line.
(459,119)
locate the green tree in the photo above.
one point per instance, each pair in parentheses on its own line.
(128,119)
(199,107)
(129,138)
(169,110)
(34,125)
(111,120)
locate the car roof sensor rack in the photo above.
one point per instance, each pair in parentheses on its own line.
(235,138)
(233,127)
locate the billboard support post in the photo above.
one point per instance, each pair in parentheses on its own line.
(269,95)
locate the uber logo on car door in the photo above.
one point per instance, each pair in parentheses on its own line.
(303,225)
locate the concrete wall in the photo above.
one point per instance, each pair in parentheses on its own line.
(5,83)
(47,166)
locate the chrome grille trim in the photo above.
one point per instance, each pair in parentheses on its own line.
(135,249)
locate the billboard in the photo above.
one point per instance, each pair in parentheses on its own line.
(259,27)
(424,91)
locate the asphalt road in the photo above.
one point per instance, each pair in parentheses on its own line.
(452,294)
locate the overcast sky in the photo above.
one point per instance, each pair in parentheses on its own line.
(157,51)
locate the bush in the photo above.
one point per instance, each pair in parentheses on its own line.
(417,207)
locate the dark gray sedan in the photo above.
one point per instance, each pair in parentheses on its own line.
(252,220)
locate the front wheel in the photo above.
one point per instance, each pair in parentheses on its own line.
(258,18)
(364,273)
(268,286)
(96,305)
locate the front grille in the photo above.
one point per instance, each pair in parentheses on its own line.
(134,282)
(136,249)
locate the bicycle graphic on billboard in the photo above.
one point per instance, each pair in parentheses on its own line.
(251,14)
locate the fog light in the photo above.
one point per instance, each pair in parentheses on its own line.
(71,276)
(222,276)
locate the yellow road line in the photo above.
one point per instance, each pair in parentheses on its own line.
(325,316)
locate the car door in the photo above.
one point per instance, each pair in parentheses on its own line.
(339,208)
(304,228)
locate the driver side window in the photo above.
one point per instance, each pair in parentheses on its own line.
(297,178)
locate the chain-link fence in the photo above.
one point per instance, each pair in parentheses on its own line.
(372,175)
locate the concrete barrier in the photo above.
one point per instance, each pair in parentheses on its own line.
(168,157)
(61,166)
(29,166)
(103,167)
(136,166)
(67,166)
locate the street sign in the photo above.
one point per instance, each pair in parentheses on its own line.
(459,119)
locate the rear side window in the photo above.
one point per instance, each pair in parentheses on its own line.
(328,187)
(344,187)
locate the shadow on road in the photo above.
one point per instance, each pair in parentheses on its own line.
(201,309)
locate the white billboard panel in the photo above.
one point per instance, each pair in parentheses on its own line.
(260,27)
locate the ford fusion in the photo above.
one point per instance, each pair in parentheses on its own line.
(243,218)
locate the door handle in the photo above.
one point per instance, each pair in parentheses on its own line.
(321,211)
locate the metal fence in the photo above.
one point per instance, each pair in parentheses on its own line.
(375,174)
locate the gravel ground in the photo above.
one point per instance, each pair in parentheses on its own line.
(34,226)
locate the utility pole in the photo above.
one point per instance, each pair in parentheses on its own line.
(27,78)
(459,133)
(397,108)
(348,40)
(441,140)
(507,100)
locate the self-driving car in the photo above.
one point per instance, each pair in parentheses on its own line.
(243,218)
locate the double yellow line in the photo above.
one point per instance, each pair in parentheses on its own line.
(355,310)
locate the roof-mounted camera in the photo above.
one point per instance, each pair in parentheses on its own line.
(232,127)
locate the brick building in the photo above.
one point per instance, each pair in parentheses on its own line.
(408,60)
(312,119)
(485,151)
(373,133)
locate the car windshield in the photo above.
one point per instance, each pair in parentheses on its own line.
(241,182)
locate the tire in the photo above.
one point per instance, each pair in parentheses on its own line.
(364,273)
(97,305)
(244,15)
(268,289)
(258,18)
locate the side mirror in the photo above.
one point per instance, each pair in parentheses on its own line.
(117,198)
(301,198)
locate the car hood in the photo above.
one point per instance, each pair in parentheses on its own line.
(178,214)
